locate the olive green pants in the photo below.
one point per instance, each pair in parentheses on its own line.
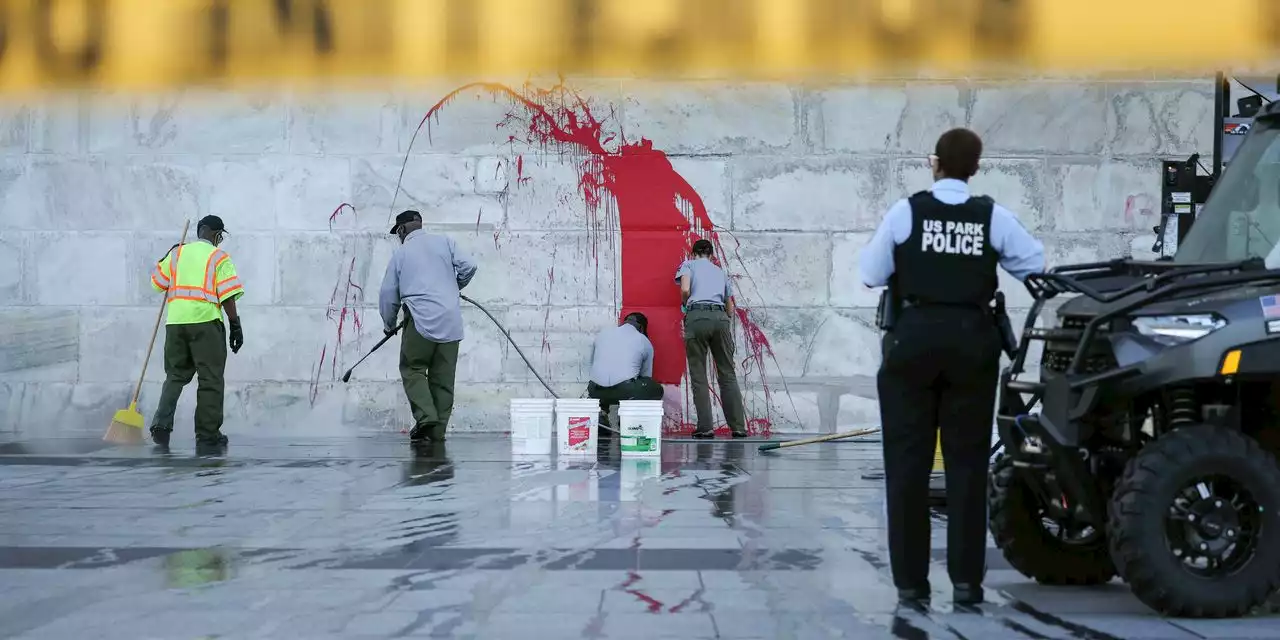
(709,332)
(191,350)
(427,370)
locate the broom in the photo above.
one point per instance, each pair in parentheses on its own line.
(126,426)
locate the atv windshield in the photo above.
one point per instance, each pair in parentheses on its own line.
(1241,220)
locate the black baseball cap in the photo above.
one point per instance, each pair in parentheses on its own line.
(406,217)
(213,222)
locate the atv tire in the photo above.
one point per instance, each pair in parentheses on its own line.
(1144,540)
(1019,532)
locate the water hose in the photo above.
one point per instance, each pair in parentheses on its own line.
(513,344)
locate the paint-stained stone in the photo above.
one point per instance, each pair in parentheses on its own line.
(1041,118)
(1095,195)
(1167,119)
(442,187)
(282,344)
(896,118)
(352,123)
(563,360)
(527,268)
(315,268)
(711,179)
(63,261)
(190,122)
(124,193)
(810,194)
(39,344)
(268,192)
(545,194)
(697,118)
(781,270)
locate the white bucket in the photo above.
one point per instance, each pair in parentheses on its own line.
(576,423)
(640,428)
(532,418)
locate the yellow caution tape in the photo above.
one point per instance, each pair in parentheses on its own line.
(138,44)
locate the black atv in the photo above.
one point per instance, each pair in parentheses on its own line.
(1148,447)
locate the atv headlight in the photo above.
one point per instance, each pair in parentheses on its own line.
(1172,330)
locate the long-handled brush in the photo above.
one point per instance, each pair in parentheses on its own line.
(834,436)
(126,426)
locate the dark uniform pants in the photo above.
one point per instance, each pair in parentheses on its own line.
(191,350)
(709,331)
(939,372)
(427,370)
(637,388)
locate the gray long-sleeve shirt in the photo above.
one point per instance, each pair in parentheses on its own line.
(425,275)
(620,354)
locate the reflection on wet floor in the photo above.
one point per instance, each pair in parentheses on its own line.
(369,537)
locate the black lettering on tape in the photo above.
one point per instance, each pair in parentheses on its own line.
(75,62)
(288,18)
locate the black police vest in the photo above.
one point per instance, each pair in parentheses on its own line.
(949,258)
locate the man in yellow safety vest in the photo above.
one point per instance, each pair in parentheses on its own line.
(200,281)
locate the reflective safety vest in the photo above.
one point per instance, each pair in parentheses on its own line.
(196,278)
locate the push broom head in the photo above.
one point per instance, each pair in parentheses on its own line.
(126,427)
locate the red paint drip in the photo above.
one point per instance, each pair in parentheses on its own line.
(660,215)
(343,311)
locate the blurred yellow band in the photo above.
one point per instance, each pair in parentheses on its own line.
(151,44)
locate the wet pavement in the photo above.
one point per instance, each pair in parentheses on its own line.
(366,538)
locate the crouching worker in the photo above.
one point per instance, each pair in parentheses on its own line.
(425,277)
(622,365)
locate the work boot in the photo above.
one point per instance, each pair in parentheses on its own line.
(967,594)
(741,434)
(703,435)
(160,436)
(917,598)
(422,432)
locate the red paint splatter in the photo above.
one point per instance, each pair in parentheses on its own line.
(343,311)
(658,212)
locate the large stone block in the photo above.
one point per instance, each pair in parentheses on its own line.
(1168,119)
(1095,195)
(13,270)
(846,344)
(48,192)
(531,268)
(545,193)
(15,127)
(467,124)
(113,345)
(711,179)
(1055,118)
(320,268)
(562,359)
(39,344)
(846,285)
(56,125)
(710,118)
(772,270)
(81,269)
(810,194)
(1017,185)
(442,187)
(487,407)
(282,344)
(51,409)
(886,118)
(790,332)
(188,122)
(265,192)
(353,123)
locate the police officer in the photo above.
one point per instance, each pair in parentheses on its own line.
(938,252)
(708,328)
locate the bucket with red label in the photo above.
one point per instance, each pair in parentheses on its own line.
(577,422)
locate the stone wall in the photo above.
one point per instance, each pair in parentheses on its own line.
(94,189)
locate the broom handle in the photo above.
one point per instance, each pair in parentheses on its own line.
(156,330)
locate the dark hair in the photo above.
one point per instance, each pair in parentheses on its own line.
(703,248)
(958,151)
(637,319)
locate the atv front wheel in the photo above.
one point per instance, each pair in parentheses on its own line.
(1193,523)
(1040,547)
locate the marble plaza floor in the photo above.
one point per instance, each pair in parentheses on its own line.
(365,537)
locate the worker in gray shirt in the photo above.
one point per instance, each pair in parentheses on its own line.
(622,365)
(425,276)
(708,328)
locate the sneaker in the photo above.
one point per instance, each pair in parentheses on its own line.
(160,436)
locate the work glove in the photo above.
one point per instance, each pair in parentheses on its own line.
(237,336)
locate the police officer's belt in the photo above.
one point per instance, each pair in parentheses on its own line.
(914,303)
(706,306)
